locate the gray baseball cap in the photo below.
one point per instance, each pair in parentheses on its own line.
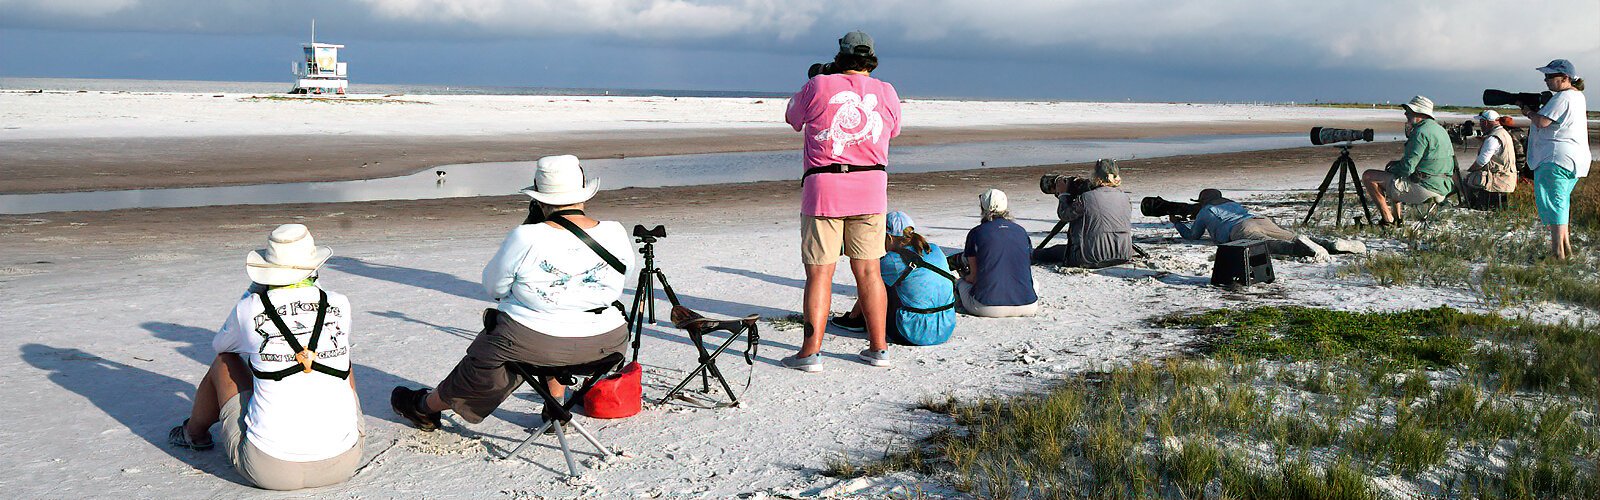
(856,42)
(1561,66)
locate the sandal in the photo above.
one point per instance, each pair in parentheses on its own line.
(179,437)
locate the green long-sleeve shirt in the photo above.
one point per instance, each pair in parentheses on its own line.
(1428,150)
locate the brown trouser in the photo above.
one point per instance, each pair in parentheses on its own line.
(481,381)
(1280,241)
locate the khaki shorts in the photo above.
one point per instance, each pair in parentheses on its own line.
(1401,190)
(271,473)
(823,239)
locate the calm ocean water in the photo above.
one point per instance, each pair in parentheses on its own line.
(195,86)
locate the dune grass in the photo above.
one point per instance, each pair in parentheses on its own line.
(1292,403)
(1499,255)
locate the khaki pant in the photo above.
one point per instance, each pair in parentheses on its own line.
(481,381)
(824,239)
(272,473)
(975,308)
(1401,190)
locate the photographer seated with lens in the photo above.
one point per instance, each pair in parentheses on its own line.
(996,277)
(1493,175)
(1424,173)
(921,289)
(1226,220)
(1099,222)
(557,283)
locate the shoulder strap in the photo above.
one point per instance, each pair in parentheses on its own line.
(913,262)
(604,254)
(288,336)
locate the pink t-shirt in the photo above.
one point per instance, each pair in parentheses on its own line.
(846,119)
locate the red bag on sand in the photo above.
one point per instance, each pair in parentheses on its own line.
(619,395)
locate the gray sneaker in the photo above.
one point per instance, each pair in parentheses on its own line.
(808,364)
(874,357)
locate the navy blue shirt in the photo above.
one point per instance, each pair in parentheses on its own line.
(1004,254)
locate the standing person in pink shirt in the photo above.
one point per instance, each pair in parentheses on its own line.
(847,118)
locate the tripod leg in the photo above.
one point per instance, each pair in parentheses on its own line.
(1053,232)
(1361,191)
(1338,217)
(1321,190)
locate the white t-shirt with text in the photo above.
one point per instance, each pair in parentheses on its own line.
(304,417)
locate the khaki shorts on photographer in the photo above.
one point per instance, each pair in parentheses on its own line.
(1402,190)
(823,239)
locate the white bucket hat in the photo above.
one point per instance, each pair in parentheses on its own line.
(291,255)
(558,181)
(1420,105)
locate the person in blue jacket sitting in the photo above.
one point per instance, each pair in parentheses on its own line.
(921,288)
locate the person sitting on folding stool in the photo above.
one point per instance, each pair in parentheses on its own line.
(283,394)
(557,302)
(1424,172)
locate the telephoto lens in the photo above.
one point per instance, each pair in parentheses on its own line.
(1330,135)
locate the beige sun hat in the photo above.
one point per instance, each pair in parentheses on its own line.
(1420,105)
(558,181)
(291,255)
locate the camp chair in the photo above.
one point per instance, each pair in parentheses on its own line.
(1429,208)
(556,413)
(697,325)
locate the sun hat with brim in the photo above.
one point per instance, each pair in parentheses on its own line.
(896,223)
(1208,194)
(291,255)
(558,181)
(1420,105)
(1559,66)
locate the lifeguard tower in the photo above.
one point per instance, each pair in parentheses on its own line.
(321,73)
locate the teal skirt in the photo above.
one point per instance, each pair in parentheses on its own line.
(1552,189)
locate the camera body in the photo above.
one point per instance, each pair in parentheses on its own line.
(1075,185)
(827,68)
(649,235)
(1494,97)
(1459,133)
(1156,206)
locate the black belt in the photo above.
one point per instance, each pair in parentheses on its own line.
(839,168)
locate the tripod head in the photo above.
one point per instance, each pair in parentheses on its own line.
(648,236)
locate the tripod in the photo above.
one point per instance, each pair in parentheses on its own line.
(1345,167)
(644,292)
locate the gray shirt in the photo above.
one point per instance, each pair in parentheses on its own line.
(1100,227)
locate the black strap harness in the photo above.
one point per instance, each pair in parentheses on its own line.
(604,254)
(839,168)
(306,355)
(914,262)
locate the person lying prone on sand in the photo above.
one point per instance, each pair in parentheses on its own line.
(285,395)
(1226,220)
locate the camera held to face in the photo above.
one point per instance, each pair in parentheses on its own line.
(1073,185)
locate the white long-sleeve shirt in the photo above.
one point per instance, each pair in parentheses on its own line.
(548,280)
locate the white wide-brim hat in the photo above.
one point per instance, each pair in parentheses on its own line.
(291,255)
(558,181)
(1420,105)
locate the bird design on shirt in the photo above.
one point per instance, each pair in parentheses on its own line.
(563,282)
(856,120)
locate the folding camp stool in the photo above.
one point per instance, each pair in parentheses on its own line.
(1431,208)
(698,326)
(557,413)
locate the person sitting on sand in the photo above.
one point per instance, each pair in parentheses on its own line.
(922,295)
(281,384)
(1494,174)
(998,280)
(1226,220)
(1425,172)
(1099,223)
(557,302)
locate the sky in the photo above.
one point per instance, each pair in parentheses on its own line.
(1140,50)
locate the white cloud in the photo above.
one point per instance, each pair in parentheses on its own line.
(78,8)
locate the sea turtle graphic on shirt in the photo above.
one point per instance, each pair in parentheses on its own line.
(856,120)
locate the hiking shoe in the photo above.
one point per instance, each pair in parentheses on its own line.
(808,364)
(179,437)
(875,357)
(1349,246)
(857,324)
(408,403)
(1318,253)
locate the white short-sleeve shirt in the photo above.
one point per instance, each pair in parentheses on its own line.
(1566,141)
